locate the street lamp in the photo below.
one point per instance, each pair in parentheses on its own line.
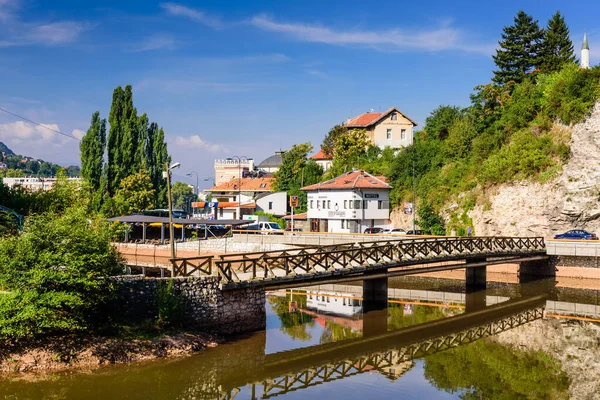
(239,160)
(167,174)
(196,191)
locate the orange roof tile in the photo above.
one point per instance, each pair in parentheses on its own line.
(320,156)
(369,118)
(296,216)
(247,185)
(356,179)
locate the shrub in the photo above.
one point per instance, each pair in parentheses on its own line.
(171,308)
(53,275)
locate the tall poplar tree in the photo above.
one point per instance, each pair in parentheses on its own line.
(161,158)
(115,138)
(519,50)
(92,152)
(557,47)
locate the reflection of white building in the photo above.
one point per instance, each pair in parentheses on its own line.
(336,303)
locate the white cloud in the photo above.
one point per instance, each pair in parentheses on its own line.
(441,38)
(196,142)
(78,133)
(191,13)
(154,42)
(21,131)
(55,33)
(317,73)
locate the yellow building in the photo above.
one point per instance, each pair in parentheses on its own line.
(391,128)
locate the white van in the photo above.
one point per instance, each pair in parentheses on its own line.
(266,228)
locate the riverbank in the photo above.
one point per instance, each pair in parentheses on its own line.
(88,352)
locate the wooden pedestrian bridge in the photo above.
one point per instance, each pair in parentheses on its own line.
(368,260)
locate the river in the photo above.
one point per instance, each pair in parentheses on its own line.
(433,341)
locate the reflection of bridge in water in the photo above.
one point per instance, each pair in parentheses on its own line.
(390,353)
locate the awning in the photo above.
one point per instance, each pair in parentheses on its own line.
(147,219)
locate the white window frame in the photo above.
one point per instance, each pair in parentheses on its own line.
(394,117)
(388,134)
(403,134)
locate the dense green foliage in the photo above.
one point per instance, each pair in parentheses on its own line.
(133,145)
(52,272)
(183,195)
(295,324)
(488,370)
(558,47)
(170,306)
(297,171)
(272,218)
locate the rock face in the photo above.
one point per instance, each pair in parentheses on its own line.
(571,200)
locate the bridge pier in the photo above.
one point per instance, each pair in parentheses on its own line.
(532,270)
(375,301)
(476,284)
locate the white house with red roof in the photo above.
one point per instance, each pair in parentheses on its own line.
(391,128)
(321,159)
(349,203)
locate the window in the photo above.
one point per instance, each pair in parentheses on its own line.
(344,301)
(365,204)
(263,185)
(394,116)
(388,134)
(318,204)
(357,204)
(328,299)
(403,134)
(350,204)
(270,205)
(345,204)
(379,204)
(329,204)
(343,224)
(220,212)
(311,204)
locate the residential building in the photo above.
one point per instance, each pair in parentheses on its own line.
(323,160)
(34,184)
(335,303)
(349,203)
(253,194)
(391,128)
(228,169)
(300,222)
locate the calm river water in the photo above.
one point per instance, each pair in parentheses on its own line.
(433,341)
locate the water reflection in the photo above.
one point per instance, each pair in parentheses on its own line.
(317,343)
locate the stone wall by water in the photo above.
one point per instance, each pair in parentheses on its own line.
(207,307)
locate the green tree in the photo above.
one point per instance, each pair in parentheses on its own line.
(114,141)
(160,159)
(329,143)
(348,151)
(53,275)
(135,194)
(430,221)
(440,120)
(183,195)
(92,148)
(557,46)
(519,51)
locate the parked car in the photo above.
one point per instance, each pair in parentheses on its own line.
(416,232)
(373,230)
(397,231)
(577,234)
(266,228)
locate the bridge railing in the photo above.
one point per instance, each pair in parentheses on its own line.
(335,258)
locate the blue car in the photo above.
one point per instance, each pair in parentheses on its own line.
(577,234)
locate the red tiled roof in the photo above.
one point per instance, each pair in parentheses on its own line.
(369,118)
(320,156)
(357,179)
(363,120)
(296,216)
(247,185)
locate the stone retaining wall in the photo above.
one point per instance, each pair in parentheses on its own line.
(207,307)
(578,261)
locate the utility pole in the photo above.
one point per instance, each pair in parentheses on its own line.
(171,228)
(414,205)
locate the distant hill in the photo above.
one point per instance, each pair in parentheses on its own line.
(4,149)
(19,165)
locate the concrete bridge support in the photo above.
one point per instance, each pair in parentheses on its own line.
(475,280)
(531,270)
(375,301)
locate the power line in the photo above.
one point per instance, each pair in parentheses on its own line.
(38,124)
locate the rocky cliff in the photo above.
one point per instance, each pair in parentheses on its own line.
(570,200)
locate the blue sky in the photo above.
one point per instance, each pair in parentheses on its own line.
(245,77)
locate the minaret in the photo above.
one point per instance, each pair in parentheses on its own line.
(585,53)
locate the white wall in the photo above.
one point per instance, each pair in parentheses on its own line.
(278,200)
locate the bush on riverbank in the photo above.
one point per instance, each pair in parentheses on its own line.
(53,275)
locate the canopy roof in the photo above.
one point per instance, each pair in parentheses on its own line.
(139,219)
